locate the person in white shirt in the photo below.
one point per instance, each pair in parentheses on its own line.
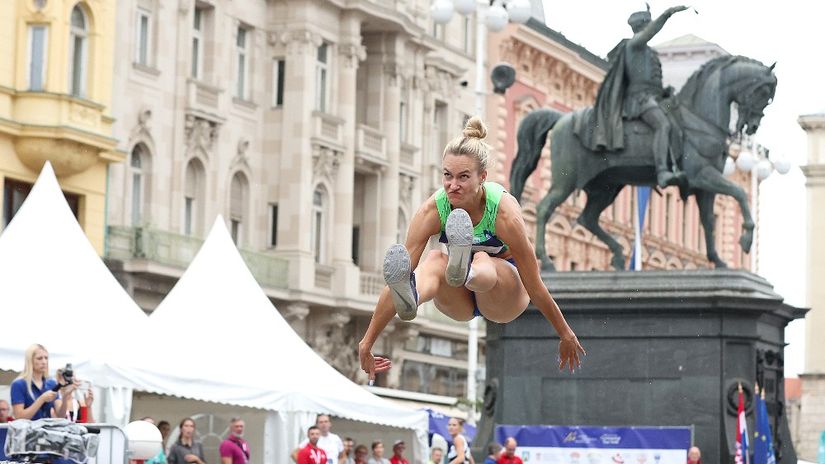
(331,443)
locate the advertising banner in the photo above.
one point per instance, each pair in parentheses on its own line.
(598,445)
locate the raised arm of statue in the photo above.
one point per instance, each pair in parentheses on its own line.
(652,28)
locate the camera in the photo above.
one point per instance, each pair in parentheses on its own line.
(68,377)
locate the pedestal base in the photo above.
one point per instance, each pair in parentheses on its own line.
(664,349)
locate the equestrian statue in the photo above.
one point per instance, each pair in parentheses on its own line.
(639,133)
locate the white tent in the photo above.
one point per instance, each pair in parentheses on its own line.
(218,325)
(56,291)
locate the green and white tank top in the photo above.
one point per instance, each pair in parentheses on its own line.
(484,233)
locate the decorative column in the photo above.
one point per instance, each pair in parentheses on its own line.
(388,226)
(295,189)
(812,410)
(350,53)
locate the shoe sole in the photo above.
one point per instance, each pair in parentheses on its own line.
(397,276)
(459,230)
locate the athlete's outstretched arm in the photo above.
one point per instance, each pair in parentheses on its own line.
(511,229)
(424,224)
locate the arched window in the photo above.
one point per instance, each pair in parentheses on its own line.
(238,193)
(319,216)
(78,49)
(139,161)
(193,197)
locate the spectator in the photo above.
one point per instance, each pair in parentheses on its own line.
(33,395)
(460,449)
(186,449)
(493,452)
(361,454)
(235,450)
(79,408)
(5,412)
(312,453)
(509,454)
(378,454)
(165,429)
(398,453)
(436,455)
(329,442)
(694,455)
(347,455)
(160,458)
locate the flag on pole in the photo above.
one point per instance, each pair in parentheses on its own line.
(762,437)
(642,198)
(741,432)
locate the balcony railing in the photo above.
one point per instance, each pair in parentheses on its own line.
(327,128)
(175,250)
(370,144)
(371,283)
(408,155)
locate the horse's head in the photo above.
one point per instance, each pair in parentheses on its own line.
(743,80)
(753,92)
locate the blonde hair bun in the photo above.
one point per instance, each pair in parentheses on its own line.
(475,128)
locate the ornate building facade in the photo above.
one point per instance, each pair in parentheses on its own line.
(309,126)
(55,104)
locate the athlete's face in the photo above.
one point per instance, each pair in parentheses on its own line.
(462,179)
(453,427)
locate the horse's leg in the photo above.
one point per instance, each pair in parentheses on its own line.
(705,202)
(597,201)
(710,179)
(559,192)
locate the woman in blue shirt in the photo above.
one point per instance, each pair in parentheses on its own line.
(32,394)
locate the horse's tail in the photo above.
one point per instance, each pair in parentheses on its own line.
(531,137)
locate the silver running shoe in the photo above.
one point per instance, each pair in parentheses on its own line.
(401,281)
(459,230)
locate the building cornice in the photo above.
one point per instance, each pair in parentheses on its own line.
(815,173)
(811,122)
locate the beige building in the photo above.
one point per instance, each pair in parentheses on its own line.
(55,104)
(812,407)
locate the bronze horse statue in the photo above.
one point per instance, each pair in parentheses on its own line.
(701,113)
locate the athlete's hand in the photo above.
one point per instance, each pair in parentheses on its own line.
(569,351)
(372,364)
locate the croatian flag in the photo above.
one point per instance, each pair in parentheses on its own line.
(741,432)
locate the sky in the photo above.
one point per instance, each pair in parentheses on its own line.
(788,33)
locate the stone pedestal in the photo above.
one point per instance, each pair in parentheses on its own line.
(664,349)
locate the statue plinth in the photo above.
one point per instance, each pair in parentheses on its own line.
(665,348)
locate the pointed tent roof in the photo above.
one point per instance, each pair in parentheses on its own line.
(235,338)
(57,292)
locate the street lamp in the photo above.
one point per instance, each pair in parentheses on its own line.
(495,18)
(756,162)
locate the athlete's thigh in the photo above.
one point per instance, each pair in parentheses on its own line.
(455,302)
(507,299)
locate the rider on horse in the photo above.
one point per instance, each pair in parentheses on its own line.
(632,89)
